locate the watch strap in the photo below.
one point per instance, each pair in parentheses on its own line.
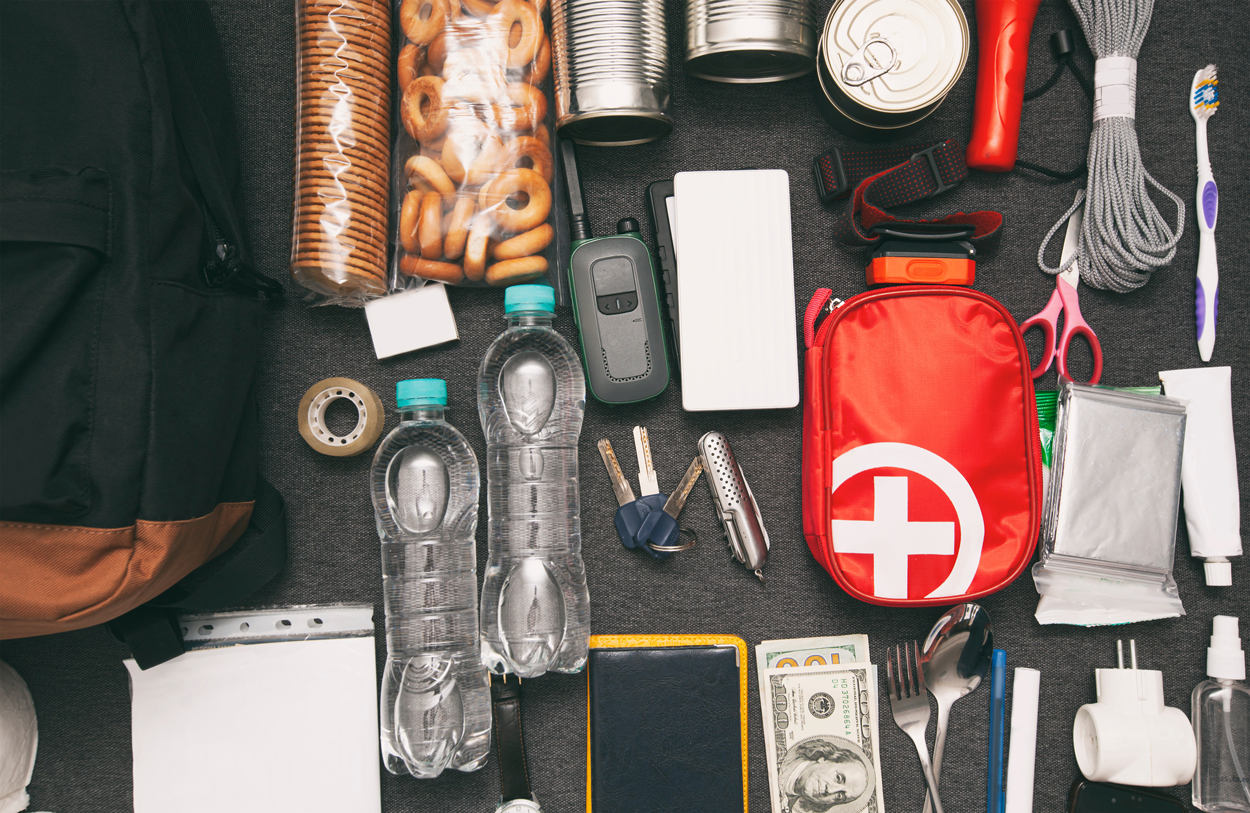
(514,779)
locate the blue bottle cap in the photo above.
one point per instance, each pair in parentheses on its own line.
(529,298)
(419,392)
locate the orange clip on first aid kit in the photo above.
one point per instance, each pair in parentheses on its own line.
(921,453)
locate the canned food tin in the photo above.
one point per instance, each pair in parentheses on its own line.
(884,65)
(611,71)
(750,40)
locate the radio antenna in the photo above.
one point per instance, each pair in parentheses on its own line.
(579,222)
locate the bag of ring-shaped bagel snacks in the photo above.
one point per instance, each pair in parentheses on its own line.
(473,163)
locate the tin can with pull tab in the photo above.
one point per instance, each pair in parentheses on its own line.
(884,65)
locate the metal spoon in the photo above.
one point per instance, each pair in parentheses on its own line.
(956,657)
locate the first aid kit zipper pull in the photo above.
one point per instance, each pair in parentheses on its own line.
(823,303)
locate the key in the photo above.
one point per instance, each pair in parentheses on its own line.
(647,482)
(631,511)
(659,531)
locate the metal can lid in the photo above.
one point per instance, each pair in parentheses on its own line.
(895,56)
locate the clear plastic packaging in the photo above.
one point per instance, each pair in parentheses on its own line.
(342,149)
(1109,523)
(473,163)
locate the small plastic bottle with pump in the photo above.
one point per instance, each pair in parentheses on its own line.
(435,702)
(531,395)
(1221,715)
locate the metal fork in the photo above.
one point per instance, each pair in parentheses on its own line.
(909,701)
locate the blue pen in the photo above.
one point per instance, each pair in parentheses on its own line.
(996,800)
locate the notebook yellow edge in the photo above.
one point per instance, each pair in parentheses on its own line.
(630,641)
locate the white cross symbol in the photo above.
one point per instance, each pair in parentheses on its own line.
(890,538)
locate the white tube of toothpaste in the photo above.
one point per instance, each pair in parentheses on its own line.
(1209,468)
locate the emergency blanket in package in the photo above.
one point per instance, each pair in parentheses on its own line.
(1109,527)
(922,480)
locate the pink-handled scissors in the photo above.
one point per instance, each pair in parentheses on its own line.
(1063,301)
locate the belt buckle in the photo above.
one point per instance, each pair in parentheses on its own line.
(942,186)
(831,181)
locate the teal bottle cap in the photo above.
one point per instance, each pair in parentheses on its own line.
(529,298)
(419,392)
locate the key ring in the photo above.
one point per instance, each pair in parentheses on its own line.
(694,540)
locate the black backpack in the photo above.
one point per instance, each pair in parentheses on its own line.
(129,327)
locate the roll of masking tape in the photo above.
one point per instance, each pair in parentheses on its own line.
(312,417)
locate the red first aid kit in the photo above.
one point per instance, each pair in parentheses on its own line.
(922,472)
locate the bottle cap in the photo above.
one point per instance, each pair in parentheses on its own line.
(419,392)
(1225,660)
(529,298)
(1219,574)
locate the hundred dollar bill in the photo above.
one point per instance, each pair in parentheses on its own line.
(821,739)
(812,651)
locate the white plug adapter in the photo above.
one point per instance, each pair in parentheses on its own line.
(1128,736)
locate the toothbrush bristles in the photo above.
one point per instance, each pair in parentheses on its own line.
(1206,91)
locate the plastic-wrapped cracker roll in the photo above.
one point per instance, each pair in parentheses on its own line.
(339,239)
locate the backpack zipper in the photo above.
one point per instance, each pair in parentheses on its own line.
(227,265)
(226,268)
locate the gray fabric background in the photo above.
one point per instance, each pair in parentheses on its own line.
(80,687)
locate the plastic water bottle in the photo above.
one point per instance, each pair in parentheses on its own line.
(531,395)
(435,704)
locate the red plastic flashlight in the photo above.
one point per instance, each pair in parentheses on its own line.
(1003,29)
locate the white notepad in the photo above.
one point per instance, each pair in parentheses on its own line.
(260,728)
(735,272)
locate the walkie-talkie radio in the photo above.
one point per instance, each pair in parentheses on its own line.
(615,303)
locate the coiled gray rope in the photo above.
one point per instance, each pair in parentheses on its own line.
(1123,236)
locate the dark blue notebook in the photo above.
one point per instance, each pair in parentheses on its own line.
(667,726)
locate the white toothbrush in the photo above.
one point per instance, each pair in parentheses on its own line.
(1203,100)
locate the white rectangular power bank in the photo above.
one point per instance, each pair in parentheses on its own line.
(735,271)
